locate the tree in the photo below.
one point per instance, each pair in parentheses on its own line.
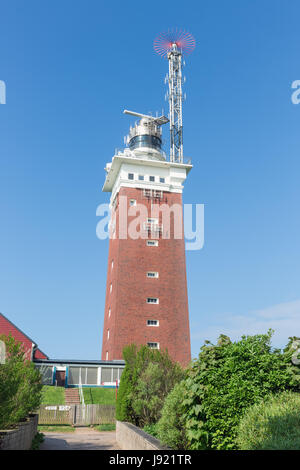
(170,429)
(272,424)
(124,411)
(226,379)
(20,385)
(149,375)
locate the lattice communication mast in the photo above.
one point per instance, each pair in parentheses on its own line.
(173,44)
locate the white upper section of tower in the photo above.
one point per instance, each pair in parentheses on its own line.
(143,164)
(130,170)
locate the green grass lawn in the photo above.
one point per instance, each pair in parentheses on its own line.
(92,395)
(55,428)
(53,395)
(101,396)
(105,427)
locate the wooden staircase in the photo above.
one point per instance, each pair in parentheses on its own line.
(72,396)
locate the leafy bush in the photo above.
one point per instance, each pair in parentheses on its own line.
(149,375)
(170,429)
(151,429)
(20,385)
(227,379)
(124,410)
(273,424)
(37,440)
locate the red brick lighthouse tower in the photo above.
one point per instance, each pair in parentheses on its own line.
(146,293)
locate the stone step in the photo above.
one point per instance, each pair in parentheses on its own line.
(72,396)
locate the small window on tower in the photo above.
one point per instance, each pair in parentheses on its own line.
(107,334)
(132,202)
(161,180)
(152,242)
(152,274)
(153,345)
(152,300)
(109,312)
(152,323)
(130,176)
(110,289)
(107,355)
(141,177)
(152,178)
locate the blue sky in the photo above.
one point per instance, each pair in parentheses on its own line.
(70,68)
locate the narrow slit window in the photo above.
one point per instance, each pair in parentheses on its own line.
(152,274)
(152,323)
(152,242)
(152,300)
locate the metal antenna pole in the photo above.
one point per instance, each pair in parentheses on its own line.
(175,104)
(172,45)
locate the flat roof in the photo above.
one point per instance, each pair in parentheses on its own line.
(81,361)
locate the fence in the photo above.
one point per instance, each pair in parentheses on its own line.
(77,415)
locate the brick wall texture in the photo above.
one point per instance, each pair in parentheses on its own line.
(128,287)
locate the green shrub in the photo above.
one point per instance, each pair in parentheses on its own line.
(273,424)
(20,385)
(149,375)
(151,429)
(37,440)
(227,379)
(124,410)
(170,429)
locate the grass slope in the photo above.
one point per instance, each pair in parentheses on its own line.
(101,396)
(53,395)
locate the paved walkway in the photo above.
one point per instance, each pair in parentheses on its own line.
(81,439)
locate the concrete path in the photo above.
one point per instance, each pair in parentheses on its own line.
(81,439)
